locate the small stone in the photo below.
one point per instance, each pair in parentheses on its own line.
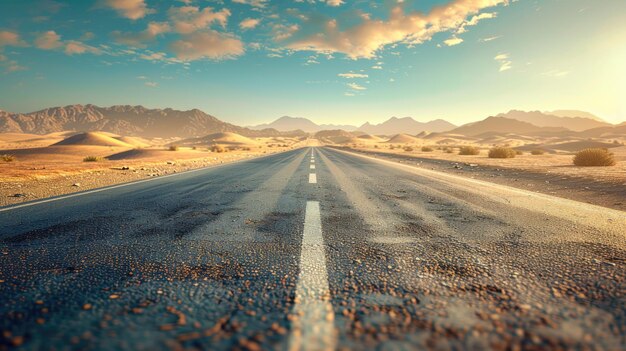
(76,184)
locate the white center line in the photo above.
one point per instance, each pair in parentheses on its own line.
(312,178)
(312,166)
(314,327)
(312,161)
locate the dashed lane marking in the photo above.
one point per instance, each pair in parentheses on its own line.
(314,326)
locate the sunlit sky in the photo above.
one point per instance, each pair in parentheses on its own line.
(333,61)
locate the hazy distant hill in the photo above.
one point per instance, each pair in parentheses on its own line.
(605,132)
(406,125)
(574,113)
(502,125)
(123,120)
(287,123)
(541,119)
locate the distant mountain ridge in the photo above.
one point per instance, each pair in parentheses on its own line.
(543,119)
(406,125)
(502,125)
(287,123)
(574,113)
(392,126)
(123,120)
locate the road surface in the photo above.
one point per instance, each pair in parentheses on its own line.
(312,249)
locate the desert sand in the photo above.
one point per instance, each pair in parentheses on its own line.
(50,165)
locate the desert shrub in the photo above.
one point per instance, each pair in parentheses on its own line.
(92,159)
(285,145)
(519,152)
(173,148)
(469,150)
(217,148)
(246,149)
(448,150)
(391,147)
(408,148)
(537,152)
(594,157)
(7,158)
(427,148)
(501,152)
(194,148)
(375,146)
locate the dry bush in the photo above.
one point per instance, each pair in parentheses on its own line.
(469,150)
(246,148)
(375,146)
(391,147)
(217,148)
(173,148)
(537,152)
(502,152)
(519,152)
(408,148)
(594,157)
(448,150)
(92,159)
(427,148)
(7,158)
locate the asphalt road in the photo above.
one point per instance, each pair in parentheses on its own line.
(312,249)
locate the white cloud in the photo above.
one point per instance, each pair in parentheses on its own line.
(151,84)
(209,45)
(505,63)
(74,47)
(474,21)
(8,38)
(325,34)
(140,39)
(484,40)
(49,40)
(334,2)
(249,23)
(131,9)
(356,86)
(453,41)
(253,3)
(555,73)
(189,19)
(352,75)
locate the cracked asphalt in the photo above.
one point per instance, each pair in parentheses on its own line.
(211,259)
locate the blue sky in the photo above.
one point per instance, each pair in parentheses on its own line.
(333,61)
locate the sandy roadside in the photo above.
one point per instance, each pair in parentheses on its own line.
(22,182)
(608,191)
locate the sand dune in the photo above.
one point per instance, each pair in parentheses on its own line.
(224,138)
(403,139)
(155,154)
(368,137)
(25,140)
(574,146)
(93,139)
(134,141)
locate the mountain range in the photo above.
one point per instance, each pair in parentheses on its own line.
(286,123)
(394,125)
(165,123)
(123,120)
(562,118)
